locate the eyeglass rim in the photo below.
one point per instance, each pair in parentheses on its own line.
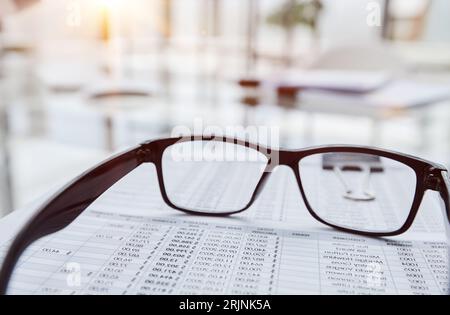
(413,161)
(291,158)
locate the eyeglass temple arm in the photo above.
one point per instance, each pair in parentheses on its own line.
(445,194)
(60,210)
(445,200)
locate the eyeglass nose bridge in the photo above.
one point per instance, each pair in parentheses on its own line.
(282,157)
(288,158)
(260,186)
(265,176)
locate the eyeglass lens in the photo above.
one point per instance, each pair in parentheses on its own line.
(351,190)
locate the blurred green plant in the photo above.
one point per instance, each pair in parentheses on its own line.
(293,13)
(290,15)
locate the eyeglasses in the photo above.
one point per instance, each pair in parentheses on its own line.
(355,189)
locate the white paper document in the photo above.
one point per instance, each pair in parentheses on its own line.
(336,80)
(130,242)
(397,94)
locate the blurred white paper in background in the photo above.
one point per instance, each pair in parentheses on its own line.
(396,94)
(337,80)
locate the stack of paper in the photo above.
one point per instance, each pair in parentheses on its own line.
(130,242)
(399,94)
(364,89)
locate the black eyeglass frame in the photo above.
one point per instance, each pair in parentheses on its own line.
(67,204)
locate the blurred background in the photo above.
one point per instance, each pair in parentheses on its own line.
(81,79)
